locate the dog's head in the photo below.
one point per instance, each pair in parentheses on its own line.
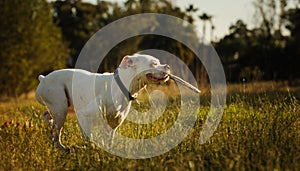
(146,67)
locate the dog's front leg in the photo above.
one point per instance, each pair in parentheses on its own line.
(84,136)
(107,136)
(111,138)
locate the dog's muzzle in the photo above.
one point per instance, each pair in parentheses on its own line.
(152,77)
(158,76)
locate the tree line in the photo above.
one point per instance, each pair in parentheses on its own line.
(269,51)
(38,36)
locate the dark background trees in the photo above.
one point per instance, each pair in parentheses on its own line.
(30,44)
(267,51)
(37,36)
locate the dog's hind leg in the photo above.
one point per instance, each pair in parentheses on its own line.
(59,114)
(48,118)
(58,107)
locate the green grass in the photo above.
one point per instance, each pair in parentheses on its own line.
(257,132)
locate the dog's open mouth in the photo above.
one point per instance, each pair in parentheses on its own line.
(152,77)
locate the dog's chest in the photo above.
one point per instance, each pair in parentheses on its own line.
(106,100)
(115,119)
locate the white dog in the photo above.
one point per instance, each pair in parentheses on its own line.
(112,92)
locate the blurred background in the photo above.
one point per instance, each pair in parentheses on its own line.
(256,40)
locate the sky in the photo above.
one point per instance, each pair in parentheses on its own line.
(224,12)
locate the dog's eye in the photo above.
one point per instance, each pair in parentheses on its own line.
(155,63)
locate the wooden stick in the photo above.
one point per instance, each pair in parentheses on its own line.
(181,81)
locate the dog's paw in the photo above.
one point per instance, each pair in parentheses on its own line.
(66,150)
(63,149)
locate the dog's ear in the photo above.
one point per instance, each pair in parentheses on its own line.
(126,62)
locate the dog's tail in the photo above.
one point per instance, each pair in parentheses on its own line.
(41,78)
(39,90)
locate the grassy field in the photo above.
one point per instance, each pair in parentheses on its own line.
(258,131)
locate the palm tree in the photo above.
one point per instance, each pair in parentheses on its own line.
(212,29)
(130,4)
(204,17)
(203,76)
(190,10)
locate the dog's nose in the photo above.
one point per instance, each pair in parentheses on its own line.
(167,67)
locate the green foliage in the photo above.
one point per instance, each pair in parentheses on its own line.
(30,44)
(257,132)
(79,21)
